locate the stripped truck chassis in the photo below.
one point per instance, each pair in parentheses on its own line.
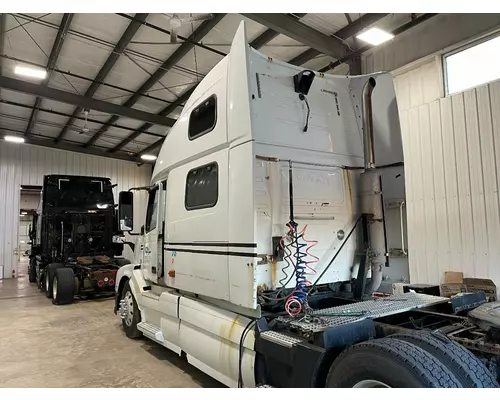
(89,279)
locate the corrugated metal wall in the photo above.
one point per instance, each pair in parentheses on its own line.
(26,165)
(452,151)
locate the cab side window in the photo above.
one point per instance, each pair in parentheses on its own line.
(202,187)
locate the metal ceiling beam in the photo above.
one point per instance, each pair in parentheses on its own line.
(100,42)
(296,30)
(150,148)
(75,128)
(51,64)
(346,32)
(82,101)
(268,35)
(47,141)
(122,44)
(84,78)
(3,27)
(167,32)
(395,32)
(166,111)
(181,51)
(264,38)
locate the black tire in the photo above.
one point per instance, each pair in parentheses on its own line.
(49,274)
(471,372)
(393,362)
(32,270)
(130,327)
(63,286)
(41,280)
(122,261)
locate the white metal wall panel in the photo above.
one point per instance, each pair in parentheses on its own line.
(464,192)
(451,185)
(442,241)
(452,151)
(428,193)
(26,165)
(478,214)
(491,217)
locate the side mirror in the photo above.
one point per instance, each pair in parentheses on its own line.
(125,211)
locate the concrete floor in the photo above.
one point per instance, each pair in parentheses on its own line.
(79,345)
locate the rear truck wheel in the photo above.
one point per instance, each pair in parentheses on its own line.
(389,363)
(122,261)
(63,286)
(50,271)
(32,271)
(129,313)
(471,372)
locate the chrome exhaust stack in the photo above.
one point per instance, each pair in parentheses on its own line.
(371,195)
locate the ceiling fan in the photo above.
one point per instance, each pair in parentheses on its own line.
(175,22)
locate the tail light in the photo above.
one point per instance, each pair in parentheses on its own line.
(111,282)
(100,283)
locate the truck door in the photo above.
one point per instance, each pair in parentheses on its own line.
(151,248)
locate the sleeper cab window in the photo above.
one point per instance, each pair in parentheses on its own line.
(203,118)
(202,187)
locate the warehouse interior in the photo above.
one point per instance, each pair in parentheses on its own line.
(95,96)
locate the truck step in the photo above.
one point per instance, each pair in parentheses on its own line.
(151,331)
(280,338)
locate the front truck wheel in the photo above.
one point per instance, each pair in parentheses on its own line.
(389,363)
(471,372)
(63,286)
(130,313)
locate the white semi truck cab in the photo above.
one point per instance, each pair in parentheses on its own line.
(265,234)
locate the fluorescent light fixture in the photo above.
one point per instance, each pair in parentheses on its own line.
(22,241)
(148,157)
(102,206)
(375,36)
(31,72)
(14,139)
(24,213)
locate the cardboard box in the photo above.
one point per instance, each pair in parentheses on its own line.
(482,285)
(451,289)
(470,285)
(453,277)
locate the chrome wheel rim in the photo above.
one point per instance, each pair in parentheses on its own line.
(370,384)
(129,301)
(54,289)
(46,282)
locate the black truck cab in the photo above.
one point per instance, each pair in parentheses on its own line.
(76,230)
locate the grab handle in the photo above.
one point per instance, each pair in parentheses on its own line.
(402,228)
